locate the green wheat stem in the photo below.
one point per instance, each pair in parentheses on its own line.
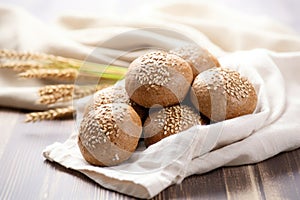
(105,71)
(47,61)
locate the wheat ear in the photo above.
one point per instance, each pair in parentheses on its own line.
(9,54)
(57,113)
(63,74)
(51,94)
(21,66)
(65,92)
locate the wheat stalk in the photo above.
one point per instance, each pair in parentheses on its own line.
(54,93)
(11,54)
(40,65)
(49,61)
(57,113)
(63,74)
(21,66)
(51,94)
(62,88)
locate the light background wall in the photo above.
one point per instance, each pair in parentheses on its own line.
(284,11)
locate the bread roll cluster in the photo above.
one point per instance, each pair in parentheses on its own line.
(153,100)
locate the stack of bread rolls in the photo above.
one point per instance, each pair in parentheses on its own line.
(154,100)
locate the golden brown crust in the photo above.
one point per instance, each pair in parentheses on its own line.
(221,93)
(109,134)
(168,121)
(158,78)
(200,59)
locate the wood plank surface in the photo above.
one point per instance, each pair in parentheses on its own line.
(26,175)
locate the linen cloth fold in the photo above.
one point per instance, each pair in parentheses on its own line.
(262,50)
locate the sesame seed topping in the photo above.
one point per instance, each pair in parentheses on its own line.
(113,94)
(153,69)
(116,157)
(232,83)
(99,125)
(198,57)
(190,52)
(177,118)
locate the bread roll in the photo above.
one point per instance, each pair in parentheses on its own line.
(168,121)
(115,94)
(109,134)
(158,78)
(221,93)
(200,59)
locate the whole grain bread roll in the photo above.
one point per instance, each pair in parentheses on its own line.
(222,93)
(115,94)
(109,134)
(200,59)
(168,121)
(158,79)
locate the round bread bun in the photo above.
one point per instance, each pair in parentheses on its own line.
(200,59)
(221,93)
(158,79)
(168,121)
(109,134)
(115,94)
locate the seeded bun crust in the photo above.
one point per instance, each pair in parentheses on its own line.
(200,59)
(158,78)
(221,93)
(109,134)
(115,94)
(168,121)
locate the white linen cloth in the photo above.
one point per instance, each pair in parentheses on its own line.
(266,52)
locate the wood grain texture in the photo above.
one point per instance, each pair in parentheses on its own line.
(10,121)
(242,183)
(26,175)
(278,177)
(21,159)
